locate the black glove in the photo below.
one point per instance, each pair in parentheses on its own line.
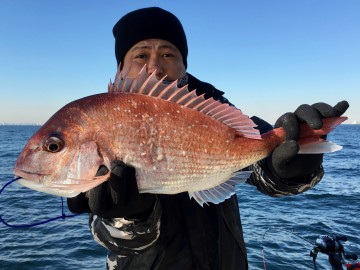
(117,197)
(285,162)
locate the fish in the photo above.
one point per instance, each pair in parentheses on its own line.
(176,140)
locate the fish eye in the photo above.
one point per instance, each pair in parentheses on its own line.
(53,144)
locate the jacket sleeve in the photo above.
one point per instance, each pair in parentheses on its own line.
(271,185)
(126,237)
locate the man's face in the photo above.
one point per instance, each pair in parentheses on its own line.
(158,55)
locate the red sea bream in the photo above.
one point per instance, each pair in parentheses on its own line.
(177,142)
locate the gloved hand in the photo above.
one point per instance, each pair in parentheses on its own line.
(117,197)
(285,162)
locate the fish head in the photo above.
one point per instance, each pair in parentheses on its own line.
(59,160)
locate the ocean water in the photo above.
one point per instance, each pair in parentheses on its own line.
(330,208)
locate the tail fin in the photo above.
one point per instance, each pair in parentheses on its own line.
(310,141)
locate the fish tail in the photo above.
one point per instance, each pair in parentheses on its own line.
(312,141)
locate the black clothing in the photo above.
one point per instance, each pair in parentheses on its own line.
(206,88)
(188,236)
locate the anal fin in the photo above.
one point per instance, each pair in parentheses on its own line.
(221,192)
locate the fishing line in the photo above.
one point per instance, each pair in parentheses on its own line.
(278,229)
(62,216)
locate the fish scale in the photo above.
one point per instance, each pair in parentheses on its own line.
(176,141)
(197,163)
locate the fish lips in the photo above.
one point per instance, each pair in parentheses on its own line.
(35,181)
(29,176)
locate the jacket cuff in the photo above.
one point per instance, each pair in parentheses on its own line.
(126,237)
(271,185)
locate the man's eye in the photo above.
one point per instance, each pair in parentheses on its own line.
(140,56)
(167,55)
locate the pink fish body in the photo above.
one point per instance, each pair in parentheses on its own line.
(175,140)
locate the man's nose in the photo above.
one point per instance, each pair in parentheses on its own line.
(154,65)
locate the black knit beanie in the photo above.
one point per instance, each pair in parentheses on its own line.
(148,23)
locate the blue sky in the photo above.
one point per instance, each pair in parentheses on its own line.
(268,56)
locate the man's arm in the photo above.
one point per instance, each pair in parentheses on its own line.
(285,172)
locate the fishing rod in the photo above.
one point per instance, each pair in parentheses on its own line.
(332,246)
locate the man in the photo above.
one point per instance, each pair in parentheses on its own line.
(172,231)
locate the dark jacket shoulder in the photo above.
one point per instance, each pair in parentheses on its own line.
(207,89)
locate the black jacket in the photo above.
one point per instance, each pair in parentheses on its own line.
(189,236)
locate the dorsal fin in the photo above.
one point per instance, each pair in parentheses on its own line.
(149,85)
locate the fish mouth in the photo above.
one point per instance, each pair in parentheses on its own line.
(47,189)
(30,176)
(34,181)
(69,188)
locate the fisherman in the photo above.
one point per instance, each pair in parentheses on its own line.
(147,231)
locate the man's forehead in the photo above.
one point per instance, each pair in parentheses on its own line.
(156,43)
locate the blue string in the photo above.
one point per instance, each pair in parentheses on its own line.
(63,215)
